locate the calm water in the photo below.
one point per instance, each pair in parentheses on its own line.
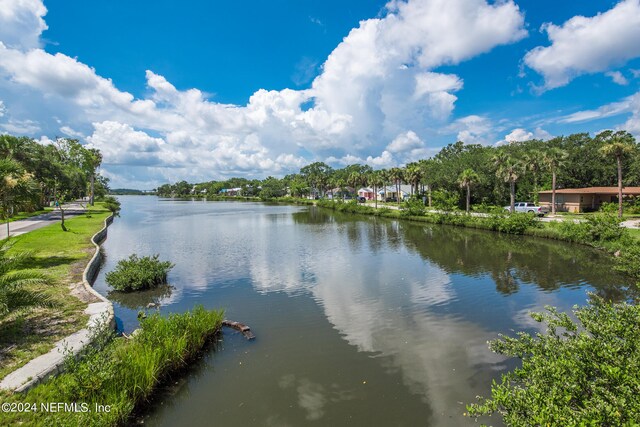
(359,321)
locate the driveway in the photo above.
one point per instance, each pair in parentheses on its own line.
(17,228)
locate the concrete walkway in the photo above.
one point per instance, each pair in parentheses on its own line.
(22,226)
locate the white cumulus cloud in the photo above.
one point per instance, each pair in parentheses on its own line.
(584,45)
(404,142)
(21,23)
(520,134)
(472,129)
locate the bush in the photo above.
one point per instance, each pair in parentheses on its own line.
(135,273)
(598,230)
(445,200)
(584,374)
(629,260)
(413,207)
(632,206)
(486,208)
(112,204)
(610,208)
(516,223)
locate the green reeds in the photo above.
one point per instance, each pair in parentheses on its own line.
(119,373)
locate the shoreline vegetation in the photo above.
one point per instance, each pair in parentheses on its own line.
(118,375)
(139,273)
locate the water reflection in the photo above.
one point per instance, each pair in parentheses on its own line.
(387,304)
(142,299)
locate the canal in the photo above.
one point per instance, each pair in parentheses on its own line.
(359,320)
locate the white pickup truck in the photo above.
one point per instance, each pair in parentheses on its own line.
(528,207)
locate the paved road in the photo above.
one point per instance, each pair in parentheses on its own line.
(25,225)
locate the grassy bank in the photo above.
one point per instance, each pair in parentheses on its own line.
(119,374)
(62,256)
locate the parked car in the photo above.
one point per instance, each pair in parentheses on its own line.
(528,207)
(362,199)
(391,199)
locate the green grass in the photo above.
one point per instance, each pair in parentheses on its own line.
(62,256)
(121,373)
(635,233)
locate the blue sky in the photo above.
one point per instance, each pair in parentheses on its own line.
(203,90)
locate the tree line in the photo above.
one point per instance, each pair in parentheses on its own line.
(35,175)
(462,174)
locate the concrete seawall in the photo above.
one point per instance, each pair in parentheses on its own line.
(100,316)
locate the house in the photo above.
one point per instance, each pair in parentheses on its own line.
(367,193)
(585,199)
(389,192)
(231,191)
(339,193)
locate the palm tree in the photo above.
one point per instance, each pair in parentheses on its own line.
(355,180)
(617,145)
(376,180)
(509,169)
(554,158)
(13,280)
(467,178)
(397,175)
(413,174)
(385,177)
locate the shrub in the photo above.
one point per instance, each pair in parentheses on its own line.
(632,206)
(112,204)
(135,273)
(516,223)
(605,228)
(445,200)
(583,373)
(610,208)
(485,207)
(598,230)
(413,207)
(629,260)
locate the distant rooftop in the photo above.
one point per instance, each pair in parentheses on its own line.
(635,191)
